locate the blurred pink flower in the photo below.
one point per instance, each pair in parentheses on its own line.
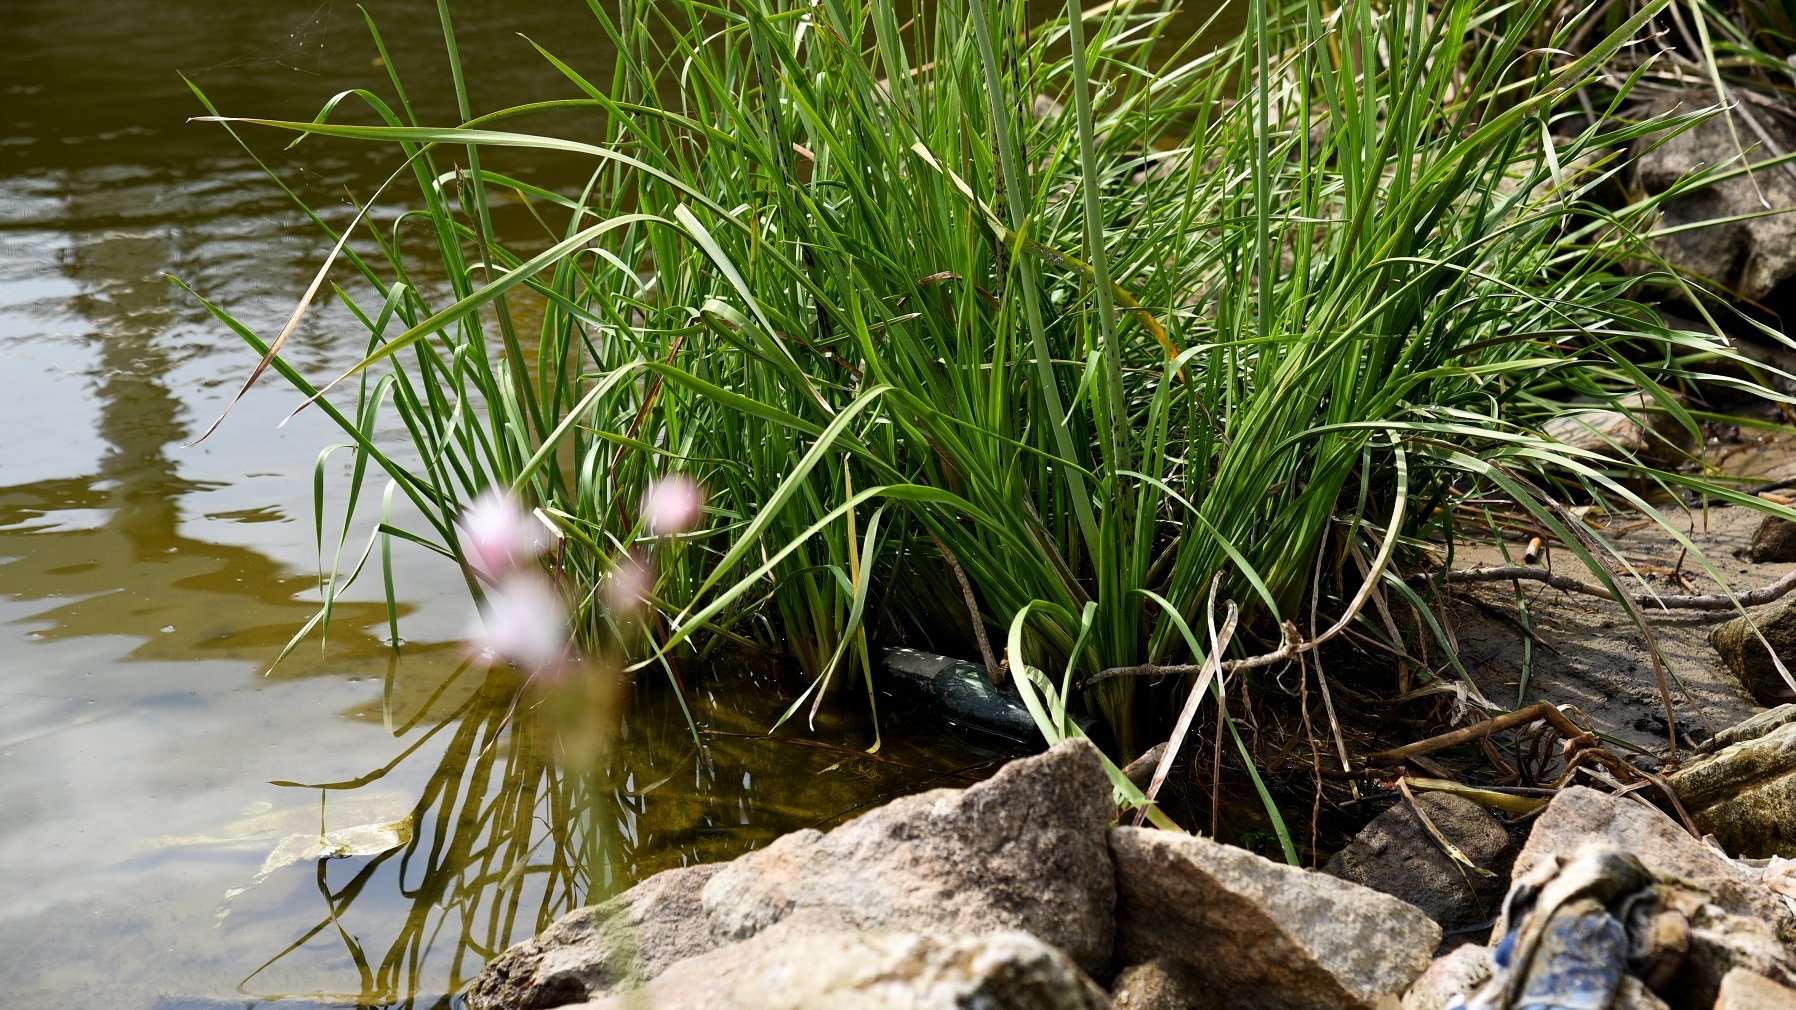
(672,504)
(523,621)
(627,586)
(498,536)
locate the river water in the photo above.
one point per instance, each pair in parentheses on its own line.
(151,762)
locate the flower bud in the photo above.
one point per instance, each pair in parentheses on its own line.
(498,536)
(522,621)
(672,505)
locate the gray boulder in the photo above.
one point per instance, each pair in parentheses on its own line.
(799,966)
(625,941)
(1024,850)
(1580,816)
(1751,728)
(1721,944)
(1752,256)
(1747,658)
(1263,935)
(1396,854)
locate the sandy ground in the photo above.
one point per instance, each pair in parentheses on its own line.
(1589,652)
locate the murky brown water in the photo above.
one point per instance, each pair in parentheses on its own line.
(147,760)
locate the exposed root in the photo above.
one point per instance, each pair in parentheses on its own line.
(1581,747)
(1294,645)
(1664,601)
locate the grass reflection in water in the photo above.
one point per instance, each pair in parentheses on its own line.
(517,824)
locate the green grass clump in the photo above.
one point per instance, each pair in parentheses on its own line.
(1099,320)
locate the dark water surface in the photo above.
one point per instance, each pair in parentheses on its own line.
(148,759)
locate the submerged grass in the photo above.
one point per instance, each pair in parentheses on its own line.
(1109,325)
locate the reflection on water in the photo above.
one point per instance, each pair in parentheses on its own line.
(107,551)
(506,838)
(148,764)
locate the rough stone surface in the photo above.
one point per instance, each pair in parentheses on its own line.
(794,967)
(1774,541)
(1023,850)
(1396,854)
(1722,943)
(1162,984)
(1265,936)
(1713,777)
(1751,257)
(1641,428)
(1745,794)
(1748,659)
(1579,816)
(1742,990)
(1749,729)
(1459,972)
(631,938)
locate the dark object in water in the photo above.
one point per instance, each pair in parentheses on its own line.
(964,692)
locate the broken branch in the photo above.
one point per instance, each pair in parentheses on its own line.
(1709,601)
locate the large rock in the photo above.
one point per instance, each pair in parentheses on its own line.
(1580,816)
(1396,854)
(1263,935)
(1752,728)
(795,967)
(629,939)
(1752,254)
(1024,850)
(1742,990)
(1745,793)
(1742,924)
(1747,658)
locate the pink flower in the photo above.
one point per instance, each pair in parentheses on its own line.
(498,536)
(523,621)
(627,586)
(672,504)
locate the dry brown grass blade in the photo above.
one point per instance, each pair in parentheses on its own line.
(1219,642)
(1489,798)
(1446,845)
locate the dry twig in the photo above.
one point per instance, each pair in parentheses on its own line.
(993,671)
(1707,601)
